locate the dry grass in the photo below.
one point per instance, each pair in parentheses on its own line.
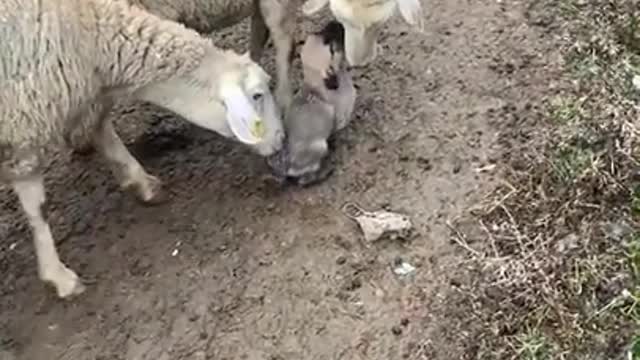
(558,276)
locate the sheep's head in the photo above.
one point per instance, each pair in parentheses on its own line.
(227,93)
(251,112)
(363,20)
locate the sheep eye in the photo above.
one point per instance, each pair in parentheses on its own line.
(257,97)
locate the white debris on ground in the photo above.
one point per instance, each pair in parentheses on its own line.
(176,250)
(403,268)
(378,223)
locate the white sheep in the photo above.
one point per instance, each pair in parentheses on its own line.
(61,58)
(363,20)
(275,18)
(269,18)
(323,107)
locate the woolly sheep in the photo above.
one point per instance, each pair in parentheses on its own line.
(324,106)
(363,20)
(275,18)
(61,58)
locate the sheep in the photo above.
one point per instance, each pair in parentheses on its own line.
(63,58)
(275,18)
(363,20)
(323,107)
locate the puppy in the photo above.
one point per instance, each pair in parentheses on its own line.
(323,107)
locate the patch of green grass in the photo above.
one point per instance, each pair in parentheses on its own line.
(628,33)
(584,64)
(633,254)
(533,346)
(632,306)
(570,162)
(555,282)
(606,49)
(566,110)
(635,348)
(634,257)
(635,200)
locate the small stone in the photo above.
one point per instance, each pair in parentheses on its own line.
(402,268)
(457,166)
(636,82)
(353,285)
(396,330)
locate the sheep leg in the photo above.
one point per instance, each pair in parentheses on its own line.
(259,33)
(82,128)
(31,193)
(132,176)
(284,57)
(280,18)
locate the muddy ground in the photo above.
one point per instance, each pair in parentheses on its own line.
(234,267)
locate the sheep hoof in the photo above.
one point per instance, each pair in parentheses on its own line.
(66,283)
(150,192)
(78,289)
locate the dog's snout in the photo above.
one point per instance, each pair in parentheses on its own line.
(331,82)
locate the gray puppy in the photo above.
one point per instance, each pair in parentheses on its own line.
(324,106)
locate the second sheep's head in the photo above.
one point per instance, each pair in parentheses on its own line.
(227,93)
(363,21)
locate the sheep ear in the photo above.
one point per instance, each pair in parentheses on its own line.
(313,6)
(411,11)
(244,122)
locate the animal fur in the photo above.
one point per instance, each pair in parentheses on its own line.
(323,107)
(63,58)
(363,21)
(269,18)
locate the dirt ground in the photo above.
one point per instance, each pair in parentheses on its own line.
(234,267)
